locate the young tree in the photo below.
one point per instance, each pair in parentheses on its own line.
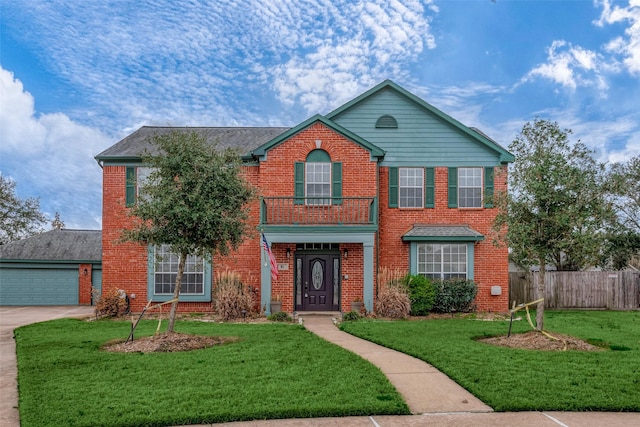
(18,218)
(194,200)
(555,210)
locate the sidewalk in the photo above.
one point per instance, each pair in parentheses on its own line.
(424,388)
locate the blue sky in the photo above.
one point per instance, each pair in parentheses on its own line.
(77,76)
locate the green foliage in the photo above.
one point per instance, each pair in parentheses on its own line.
(351,316)
(195,201)
(454,295)
(253,378)
(279,316)
(18,218)
(421,293)
(526,380)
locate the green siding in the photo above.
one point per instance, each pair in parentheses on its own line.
(453,187)
(421,137)
(429,188)
(393,187)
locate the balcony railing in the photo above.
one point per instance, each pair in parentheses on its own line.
(318,211)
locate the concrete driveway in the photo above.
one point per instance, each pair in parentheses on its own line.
(11,318)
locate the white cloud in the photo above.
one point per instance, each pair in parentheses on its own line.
(50,156)
(627,46)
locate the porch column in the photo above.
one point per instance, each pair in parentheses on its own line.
(265,281)
(368,266)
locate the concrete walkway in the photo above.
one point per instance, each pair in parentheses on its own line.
(11,318)
(424,388)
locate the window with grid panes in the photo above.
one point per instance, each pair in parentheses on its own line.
(442,260)
(470,187)
(166,271)
(411,190)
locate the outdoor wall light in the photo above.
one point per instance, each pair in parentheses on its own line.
(85,272)
(288,253)
(346,254)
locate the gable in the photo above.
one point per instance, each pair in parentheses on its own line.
(423,135)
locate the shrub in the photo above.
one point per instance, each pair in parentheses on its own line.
(421,293)
(393,298)
(232,300)
(280,316)
(111,303)
(454,295)
(351,316)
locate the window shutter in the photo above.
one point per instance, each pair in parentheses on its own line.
(488,187)
(453,187)
(130,186)
(336,182)
(429,188)
(393,187)
(298,183)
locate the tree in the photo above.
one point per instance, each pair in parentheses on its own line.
(556,209)
(19,218)
(57,223)
(194,200)
(623,242)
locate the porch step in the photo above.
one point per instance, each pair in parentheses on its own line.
(303,314)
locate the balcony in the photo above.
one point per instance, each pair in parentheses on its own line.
(316,211)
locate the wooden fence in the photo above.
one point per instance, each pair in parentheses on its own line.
(616,290)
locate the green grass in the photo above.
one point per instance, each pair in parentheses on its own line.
(274,371)
(523,380)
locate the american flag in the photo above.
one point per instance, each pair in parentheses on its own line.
(272,258)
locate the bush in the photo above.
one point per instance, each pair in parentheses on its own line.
(232,300)
(111,303)
(454,295)
(280,316)
(351,316)
(421,293)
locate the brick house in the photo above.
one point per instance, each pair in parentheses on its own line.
(385,180)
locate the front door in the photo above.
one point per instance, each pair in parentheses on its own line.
(317,282)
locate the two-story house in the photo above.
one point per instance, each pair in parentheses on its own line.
(385,180)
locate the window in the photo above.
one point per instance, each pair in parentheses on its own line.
(166,269)
(410,186)
(470,187)
(442,261)
(318,183)
(136,178)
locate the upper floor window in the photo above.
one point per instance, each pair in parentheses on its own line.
(411,187)
(442,261)
(470,187)
(318,181)
(136,178)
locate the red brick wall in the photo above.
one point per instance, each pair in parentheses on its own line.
(84,281)
(491,262)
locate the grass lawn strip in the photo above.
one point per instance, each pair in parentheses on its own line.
(273,371)
(527,380)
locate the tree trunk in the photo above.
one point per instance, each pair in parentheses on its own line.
(176,293)
(540,306)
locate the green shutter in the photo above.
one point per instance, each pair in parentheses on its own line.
(429,188)
(453,187)
(336,182)
(488,187)
(299,183)
(393,187)
(130,186)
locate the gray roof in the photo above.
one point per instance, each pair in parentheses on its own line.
(56,245)
(243,138)
(445,232)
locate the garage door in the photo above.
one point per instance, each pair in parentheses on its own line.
(38,286)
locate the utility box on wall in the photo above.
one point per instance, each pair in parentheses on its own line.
(496,290)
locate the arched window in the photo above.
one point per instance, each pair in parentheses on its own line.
(318,181)
(387,122)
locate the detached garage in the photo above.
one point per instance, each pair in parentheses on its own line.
(58,267)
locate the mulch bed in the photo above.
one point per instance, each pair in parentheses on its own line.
(535,340)
(167,342)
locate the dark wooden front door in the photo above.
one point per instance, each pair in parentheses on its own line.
(317,282)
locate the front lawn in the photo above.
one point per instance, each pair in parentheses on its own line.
(274,371)
(527,380)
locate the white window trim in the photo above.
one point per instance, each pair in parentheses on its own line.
(460,186)
(400,187)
